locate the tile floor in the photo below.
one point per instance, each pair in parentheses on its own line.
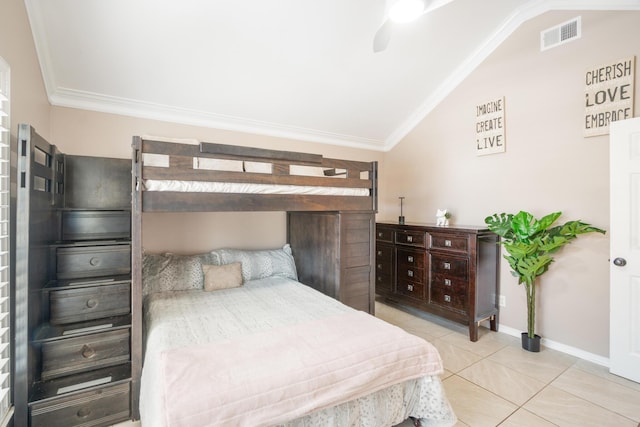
(493,382)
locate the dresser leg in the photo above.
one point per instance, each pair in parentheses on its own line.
(473,331)
(493,322)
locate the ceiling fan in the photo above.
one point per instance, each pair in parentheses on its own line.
(399,11)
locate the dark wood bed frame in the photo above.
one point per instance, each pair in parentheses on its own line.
(58,195)
(348,213)
(61,197)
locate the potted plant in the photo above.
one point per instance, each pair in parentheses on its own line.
(530,244)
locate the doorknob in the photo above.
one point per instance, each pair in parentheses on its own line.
(620,262)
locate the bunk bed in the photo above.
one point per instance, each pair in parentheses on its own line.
(236,337)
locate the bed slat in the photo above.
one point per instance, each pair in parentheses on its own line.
(203,202)
(258,153)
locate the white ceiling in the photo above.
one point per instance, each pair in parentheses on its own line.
(302,69)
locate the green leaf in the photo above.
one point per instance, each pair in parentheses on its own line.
(532,267)
(548,220)
(524,225)
(551,244)
(573,228)
(500,224)
(520,249)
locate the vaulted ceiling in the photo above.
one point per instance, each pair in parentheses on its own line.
(302,69)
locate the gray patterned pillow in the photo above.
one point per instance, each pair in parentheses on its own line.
(258,264)
(171,272)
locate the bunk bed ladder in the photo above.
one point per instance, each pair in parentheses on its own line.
(40,187)
(136,276)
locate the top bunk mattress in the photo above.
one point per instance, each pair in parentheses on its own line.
(248,188)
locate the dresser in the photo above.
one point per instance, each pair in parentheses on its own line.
(448,271)
(333,252)
(74,358)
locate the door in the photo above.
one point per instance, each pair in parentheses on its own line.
(624,344)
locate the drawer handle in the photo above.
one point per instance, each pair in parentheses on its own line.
(379,266)
(379,234)
(409,239)
(87,352)
(447,282)
(83,412)
(410,288)
(94,261)
(447,243)
(380,253)
(409,273)
(447,298)
(92,303)
(409,258)
(446,265)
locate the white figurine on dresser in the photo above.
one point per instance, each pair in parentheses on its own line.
(442,217)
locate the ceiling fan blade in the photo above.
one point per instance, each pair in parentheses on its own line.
(382,37)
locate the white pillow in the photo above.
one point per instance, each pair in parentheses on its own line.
(258,264)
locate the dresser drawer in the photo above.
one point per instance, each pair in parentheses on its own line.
(411,258)
(411,289)
(384,268)
(445,281)
(384,260)
(103,407)
(94,225)
(93,261)
(77,354)
(95,302)
(452,299)
(384,283)
(384,234)
(412,238)
(452,266)
(450,242)
(411,274)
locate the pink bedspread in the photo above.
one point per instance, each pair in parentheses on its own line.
(271,377)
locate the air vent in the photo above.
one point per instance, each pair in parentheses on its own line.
(560,34)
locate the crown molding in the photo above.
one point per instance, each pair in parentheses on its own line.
(42,47)
(64,97)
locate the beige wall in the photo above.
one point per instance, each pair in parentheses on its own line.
(548,165)
(29,102)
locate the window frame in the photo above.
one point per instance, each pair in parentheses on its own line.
(6,250)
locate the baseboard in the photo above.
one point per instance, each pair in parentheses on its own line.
(573,351)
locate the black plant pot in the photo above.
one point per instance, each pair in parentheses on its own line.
(531,344)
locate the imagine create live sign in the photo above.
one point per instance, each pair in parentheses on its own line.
(490,127)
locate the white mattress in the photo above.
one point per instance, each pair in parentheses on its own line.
(246,188)
(181,318)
